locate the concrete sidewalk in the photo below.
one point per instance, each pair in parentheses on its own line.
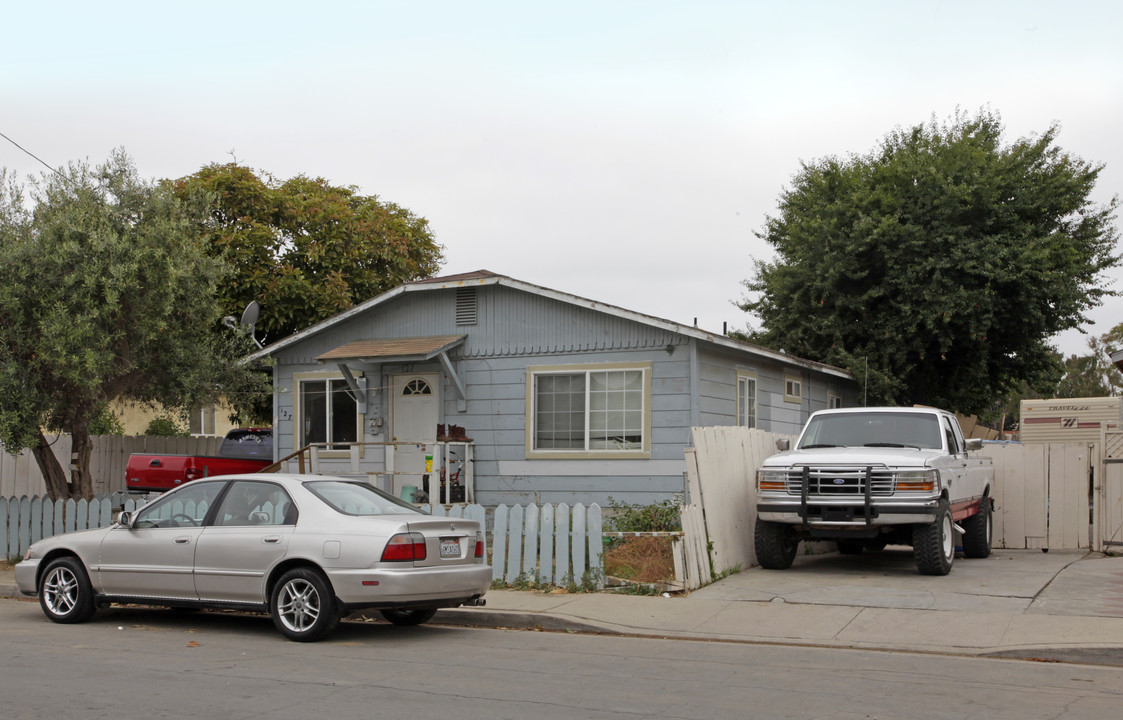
(1019,603)
(1015,603)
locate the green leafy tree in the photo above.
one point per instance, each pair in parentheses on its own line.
(937,266)
(1093,375)
(304,249)
(106,292)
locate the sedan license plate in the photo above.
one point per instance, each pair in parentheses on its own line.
(450,547)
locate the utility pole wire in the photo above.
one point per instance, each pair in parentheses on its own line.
(28,152)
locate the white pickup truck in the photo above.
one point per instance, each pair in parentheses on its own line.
(871,477)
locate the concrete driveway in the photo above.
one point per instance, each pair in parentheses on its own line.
(1017,581)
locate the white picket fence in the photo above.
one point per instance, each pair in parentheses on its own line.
(552,545)
(25,520)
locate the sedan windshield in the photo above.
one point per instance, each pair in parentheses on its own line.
(357,498)
(881,429)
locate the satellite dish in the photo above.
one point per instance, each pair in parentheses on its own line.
(249,320)
(250,316)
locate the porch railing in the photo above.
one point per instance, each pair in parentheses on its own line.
(449,474)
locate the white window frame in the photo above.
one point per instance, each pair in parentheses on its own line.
(834,400)
(203,421)
(298,412)
(533,373)
(747,416)
(793,388)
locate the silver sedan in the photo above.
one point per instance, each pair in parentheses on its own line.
(306,549)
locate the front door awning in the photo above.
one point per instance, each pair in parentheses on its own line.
(399,350)
(417,349)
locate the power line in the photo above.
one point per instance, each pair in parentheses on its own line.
(28,152)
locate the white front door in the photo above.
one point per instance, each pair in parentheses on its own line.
(414,415)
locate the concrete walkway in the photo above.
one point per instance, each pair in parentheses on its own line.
(1025,603)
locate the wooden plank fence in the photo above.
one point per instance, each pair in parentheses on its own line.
(721,478)
(19,474)
(1042,494)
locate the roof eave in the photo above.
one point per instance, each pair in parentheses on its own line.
(495,279)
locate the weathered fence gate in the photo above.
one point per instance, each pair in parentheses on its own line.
(1043,494)
(1109,516)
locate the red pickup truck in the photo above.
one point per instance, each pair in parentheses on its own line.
(244,450)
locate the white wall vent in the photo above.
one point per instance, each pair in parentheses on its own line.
(466,306)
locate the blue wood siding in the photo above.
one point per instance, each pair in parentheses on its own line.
(692,383)
(717,399)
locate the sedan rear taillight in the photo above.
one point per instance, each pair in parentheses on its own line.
(479,544)
(405,547)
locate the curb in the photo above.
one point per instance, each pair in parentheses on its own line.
(515,620)
(11,591)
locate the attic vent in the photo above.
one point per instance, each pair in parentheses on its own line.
(466,306)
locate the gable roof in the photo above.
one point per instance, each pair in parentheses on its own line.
(480,278)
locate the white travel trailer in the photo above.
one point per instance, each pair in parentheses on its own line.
(1069,419)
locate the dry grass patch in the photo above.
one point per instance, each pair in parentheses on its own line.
(640,559)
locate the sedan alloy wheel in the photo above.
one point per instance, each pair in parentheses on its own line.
(303,605)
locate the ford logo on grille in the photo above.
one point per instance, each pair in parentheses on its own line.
(839,481)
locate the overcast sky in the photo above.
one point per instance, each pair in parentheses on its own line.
(621,151)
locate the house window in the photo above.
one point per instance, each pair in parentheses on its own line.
(834,400)
(328,413)
(202,421)
(793,389)
(746,400)
(596,410)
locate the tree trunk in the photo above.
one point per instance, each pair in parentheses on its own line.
(80,450)
(57,486)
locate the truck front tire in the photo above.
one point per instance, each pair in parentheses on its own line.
(977,532)
(933,545)
(776,545)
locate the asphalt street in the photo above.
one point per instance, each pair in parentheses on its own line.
(131,662)
(1064,606)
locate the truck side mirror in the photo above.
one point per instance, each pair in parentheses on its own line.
(783,444)
(973,444)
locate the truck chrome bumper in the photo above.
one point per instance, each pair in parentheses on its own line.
(834,513)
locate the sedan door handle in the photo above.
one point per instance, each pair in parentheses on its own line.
(271,539)
(183,540)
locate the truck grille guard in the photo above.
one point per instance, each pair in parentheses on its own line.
(841,482)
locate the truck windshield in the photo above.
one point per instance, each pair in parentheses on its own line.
(880,429)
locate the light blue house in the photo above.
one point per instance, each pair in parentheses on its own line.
(526,394)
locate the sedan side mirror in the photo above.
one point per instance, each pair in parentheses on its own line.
(125,519)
